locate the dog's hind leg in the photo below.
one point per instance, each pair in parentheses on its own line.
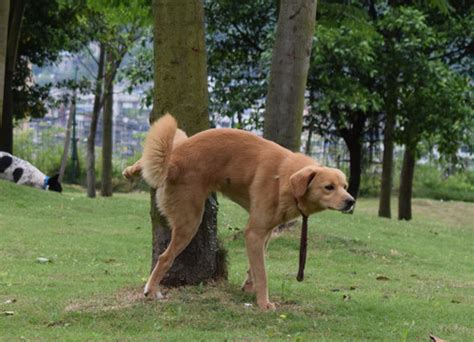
(184,225)
(133,170)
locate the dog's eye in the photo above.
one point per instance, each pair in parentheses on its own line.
(329,187)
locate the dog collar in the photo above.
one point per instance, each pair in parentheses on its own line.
(45,183)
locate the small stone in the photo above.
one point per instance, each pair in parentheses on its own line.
(41,260)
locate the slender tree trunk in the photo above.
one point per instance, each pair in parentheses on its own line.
(4,19)
(107,136)
(90,159)
(353,138)
(67,139)
(289,71)
(355,168)
(180,68)
(17,9)
(307,149)
(406,185)
(387,163)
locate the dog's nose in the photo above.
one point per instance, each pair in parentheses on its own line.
(349,204)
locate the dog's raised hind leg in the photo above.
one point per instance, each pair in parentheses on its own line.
(133,170)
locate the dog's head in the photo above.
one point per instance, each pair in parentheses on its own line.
(54,185)
(317,188)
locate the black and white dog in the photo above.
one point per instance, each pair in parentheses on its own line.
(21,172)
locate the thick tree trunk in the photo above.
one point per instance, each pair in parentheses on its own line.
(4,19)
(289,71)
(67,139)
(17,9)
(107,135)
(180,68)
(90,158)
(406,185)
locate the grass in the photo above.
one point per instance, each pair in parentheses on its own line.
(366,278)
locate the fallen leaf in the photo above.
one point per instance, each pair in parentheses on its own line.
(335,290)
(10,301)
(383,278)
(346,298)
(455,301)
(8,313)
(434,338)
(352,288)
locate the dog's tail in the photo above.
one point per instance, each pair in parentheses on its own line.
(157,150)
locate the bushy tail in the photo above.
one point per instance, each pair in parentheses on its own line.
(157,150)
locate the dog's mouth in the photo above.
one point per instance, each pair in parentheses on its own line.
(347,209)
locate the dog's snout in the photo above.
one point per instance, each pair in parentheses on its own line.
(349,204)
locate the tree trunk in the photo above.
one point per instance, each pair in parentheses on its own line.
(180,68)
(67,139)
(387,163)
(307,149)
(289,71)
(355,167)
(107,136)
(4,14)
(6,128)
(90,159)
(353,138)
(406,185)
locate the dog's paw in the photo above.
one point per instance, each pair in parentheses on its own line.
(266,306)
(152,293)
(126,173)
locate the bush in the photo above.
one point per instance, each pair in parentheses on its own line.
(428,182)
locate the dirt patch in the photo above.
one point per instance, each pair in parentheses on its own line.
(124,298)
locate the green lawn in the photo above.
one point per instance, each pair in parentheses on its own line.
(366,278)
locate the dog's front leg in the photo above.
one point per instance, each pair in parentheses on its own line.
(249,282)
(255,244)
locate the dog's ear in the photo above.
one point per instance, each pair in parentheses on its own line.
(301,180)
(54,185)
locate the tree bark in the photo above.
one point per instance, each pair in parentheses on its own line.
(181,89)
(308,146)
(14,29)
(355,167)
(387,163)
(67,139)
(4,19)
(107,136)
(406,184)
(353,138)
(289,71)
(90,159)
